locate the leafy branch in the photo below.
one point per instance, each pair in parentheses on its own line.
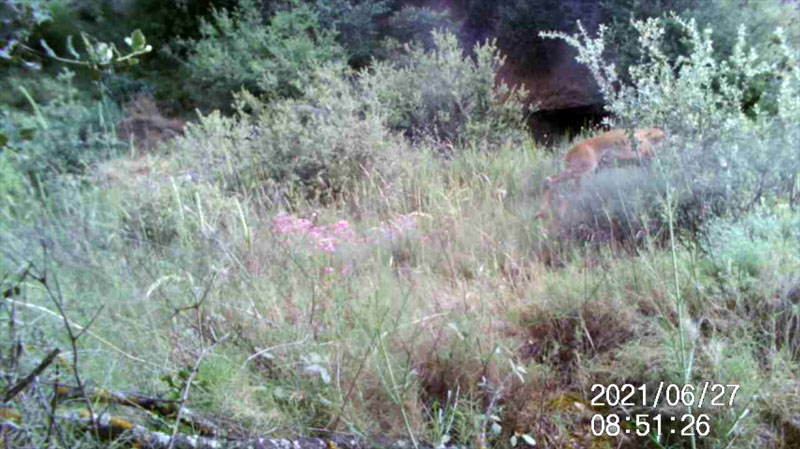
(99,55)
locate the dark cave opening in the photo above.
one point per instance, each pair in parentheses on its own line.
(548,126)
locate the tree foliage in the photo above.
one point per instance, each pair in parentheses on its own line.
(356,24)
(239,49)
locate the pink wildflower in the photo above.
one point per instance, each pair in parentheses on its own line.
(326,245)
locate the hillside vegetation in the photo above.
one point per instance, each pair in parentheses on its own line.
(316,220)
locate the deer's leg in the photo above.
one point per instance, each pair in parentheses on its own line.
(550,183)
(563,207)
(563,176)
(545,206)
(575,170)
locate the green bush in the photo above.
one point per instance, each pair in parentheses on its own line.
(338,131)
(150,219)
(622,38)
(42,87)
(239,49)
(124,88)
(159,211)
(724,16)
(19,18)
(320,145)
(718,158)
(617,204)
(62,136)
(746,249)
(356,23)
(13,185)
(445,94)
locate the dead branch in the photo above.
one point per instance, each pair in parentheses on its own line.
(164,407)
(185,393)
(13,391)
(120,429)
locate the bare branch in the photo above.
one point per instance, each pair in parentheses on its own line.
(185,393)
(13,391)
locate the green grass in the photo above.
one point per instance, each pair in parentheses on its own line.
(408,336)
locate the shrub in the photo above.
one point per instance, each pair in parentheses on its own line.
(355,21)
(755,261)
(724,16)
(150,219)
(239,50)
(42,87)
(622,38)
(445,94)
(62,136)
(321,144)
(19,19)
(611,205)
(124,88)
(742,250)
(13,186)
(329,147)
(517,24)
(337,132)
(724,160)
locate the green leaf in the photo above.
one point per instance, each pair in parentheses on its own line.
(3,140)
(6,51)
(71,48)
(103,53)
(137,41)
(47,49)
(31,65)
(87,43)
